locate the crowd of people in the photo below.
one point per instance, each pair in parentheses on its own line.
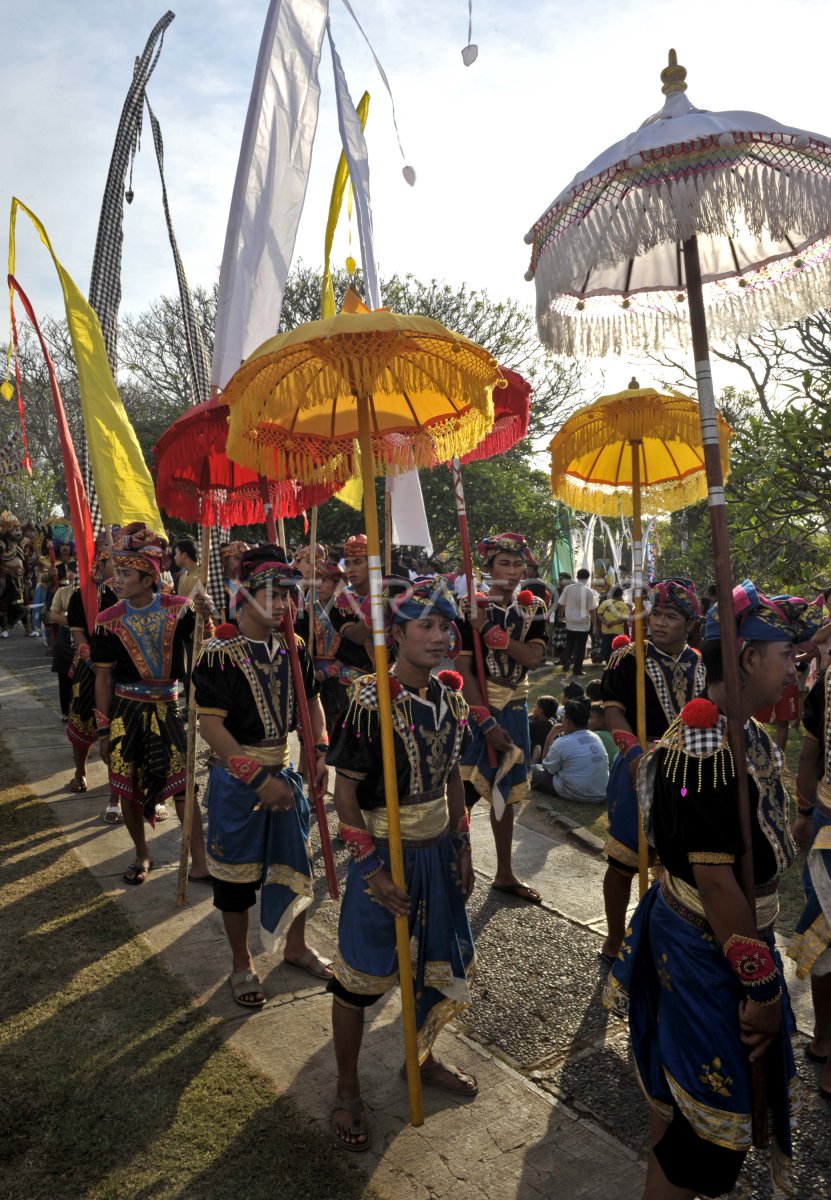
(696,970)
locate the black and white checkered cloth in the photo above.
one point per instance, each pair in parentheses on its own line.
(105,281)
(10,455)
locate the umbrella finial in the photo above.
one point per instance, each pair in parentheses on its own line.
(673,77)
(633,384)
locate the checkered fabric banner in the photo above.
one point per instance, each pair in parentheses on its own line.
(10,455)
(105,281)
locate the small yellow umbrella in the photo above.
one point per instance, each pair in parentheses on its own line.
(638,448)
(411,394)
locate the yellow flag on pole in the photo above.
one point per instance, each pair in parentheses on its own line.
(122,480)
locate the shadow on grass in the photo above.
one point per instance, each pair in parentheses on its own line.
(111,1083)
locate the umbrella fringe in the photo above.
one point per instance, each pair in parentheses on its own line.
(606,501)
(312,375)
(504,435)
(704,192)
(324,461)
(605,327)
(631,420)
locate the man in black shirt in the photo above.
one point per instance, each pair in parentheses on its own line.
(258,816)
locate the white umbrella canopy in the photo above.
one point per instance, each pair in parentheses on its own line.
(607,255)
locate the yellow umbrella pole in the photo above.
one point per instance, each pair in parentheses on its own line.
(190,761)
(402,931)
(640,650)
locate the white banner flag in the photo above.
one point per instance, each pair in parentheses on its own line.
(270,185)
(409,518)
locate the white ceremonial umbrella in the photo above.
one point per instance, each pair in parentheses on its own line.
(608,255)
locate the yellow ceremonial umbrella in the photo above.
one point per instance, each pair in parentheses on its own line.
(411,394)
(638,448)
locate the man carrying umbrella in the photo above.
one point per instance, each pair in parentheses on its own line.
(429,716)
(699,974)
(673,675)
(258,817)
(497,763)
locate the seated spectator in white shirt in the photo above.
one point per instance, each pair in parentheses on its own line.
(576,766)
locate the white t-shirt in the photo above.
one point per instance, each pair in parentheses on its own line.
(579,602)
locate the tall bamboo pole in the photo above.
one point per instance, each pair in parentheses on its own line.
(402,931)
(727,620)
(640,648)
(190,784)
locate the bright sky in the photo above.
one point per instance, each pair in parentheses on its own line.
(555,83)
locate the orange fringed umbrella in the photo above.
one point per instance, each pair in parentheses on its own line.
(410,393)
(295,402)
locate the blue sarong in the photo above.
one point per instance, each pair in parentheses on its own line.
(475,765)
(366,962)
(682,1000)
(810,945)
(622,812)
(268,849)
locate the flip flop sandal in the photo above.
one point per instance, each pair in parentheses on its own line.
(112,815)
(311,962)
(517,889)
(136,874)
(77,785)
(457,1085)
(246,983)
(355,1107)
(608,959)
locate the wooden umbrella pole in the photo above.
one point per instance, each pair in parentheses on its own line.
(190,761)
(268,511)
(387,533)
(281,532)
(640,647)
(402,931)
(727,620)
(309,747)
(313,578)
(464,538)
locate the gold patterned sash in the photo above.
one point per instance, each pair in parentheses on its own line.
(422,823)
(500,696)
(685,900)
(270,753)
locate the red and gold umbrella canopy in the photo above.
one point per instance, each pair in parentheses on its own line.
(198,483)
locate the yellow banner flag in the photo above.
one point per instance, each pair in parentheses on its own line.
(122,480)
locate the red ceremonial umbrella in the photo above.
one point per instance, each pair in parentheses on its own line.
(198,483)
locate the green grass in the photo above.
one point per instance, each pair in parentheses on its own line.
(112,1083)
